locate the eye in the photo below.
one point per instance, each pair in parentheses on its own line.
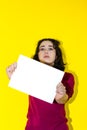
(41,49)
(50,48)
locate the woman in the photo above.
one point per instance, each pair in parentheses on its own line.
(42,115)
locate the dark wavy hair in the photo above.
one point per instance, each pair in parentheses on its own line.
(59,64)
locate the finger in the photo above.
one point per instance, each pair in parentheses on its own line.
(9,73)
(61,89)
(8,69)
(59,84)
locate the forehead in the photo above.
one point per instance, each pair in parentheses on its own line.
(46,44)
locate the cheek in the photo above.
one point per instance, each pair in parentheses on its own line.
(54,57)
(39,55)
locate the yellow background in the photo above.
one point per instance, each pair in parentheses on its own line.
(22,24)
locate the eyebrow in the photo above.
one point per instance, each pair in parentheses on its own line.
(48,46)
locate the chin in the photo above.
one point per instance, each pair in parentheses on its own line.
(47,63)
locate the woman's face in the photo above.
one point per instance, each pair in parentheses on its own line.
(47,53)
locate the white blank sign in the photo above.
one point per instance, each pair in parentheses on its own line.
(35,78)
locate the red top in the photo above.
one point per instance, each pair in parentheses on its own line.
(46,116)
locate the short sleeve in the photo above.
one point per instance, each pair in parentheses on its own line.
(68,81)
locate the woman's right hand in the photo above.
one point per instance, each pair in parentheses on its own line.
(10,69)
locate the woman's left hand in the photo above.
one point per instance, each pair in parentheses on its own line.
(61,96)
(61,89)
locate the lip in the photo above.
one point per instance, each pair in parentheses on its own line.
(46,56)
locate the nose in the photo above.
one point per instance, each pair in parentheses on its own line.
(46,51)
